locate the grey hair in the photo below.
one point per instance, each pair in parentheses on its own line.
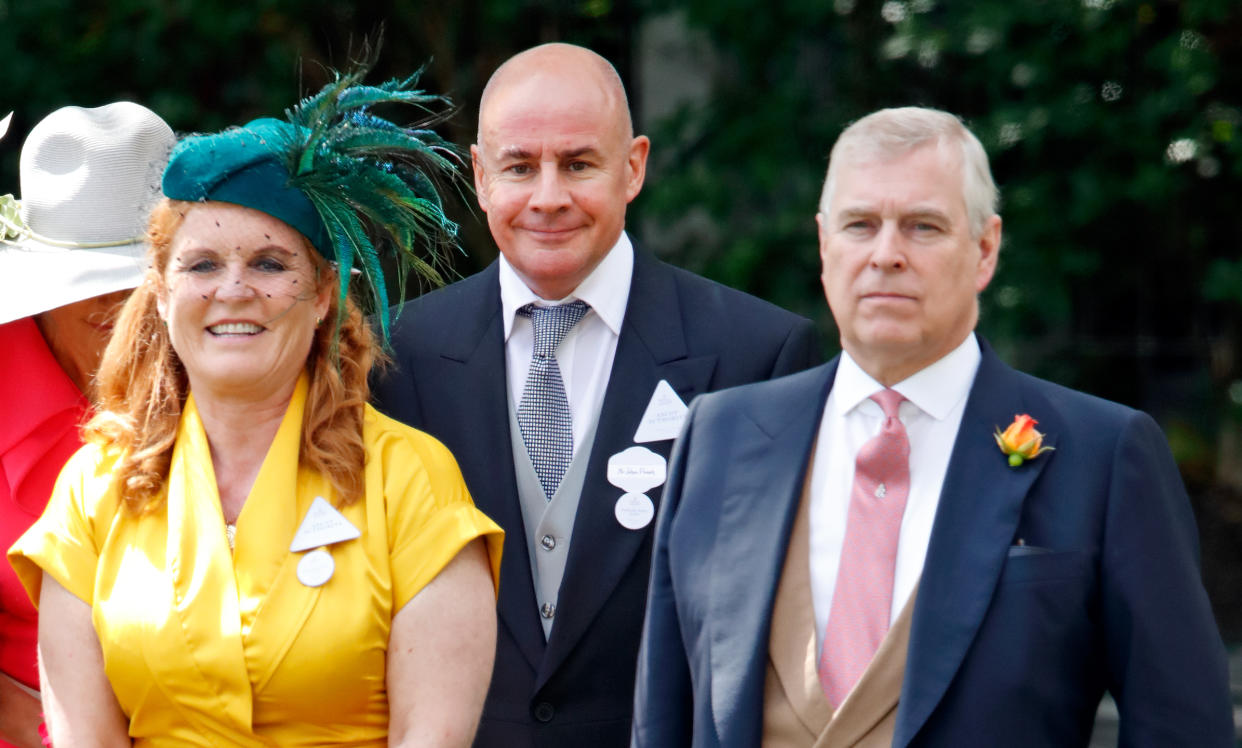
(889,133)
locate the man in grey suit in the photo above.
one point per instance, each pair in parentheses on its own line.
(558,377)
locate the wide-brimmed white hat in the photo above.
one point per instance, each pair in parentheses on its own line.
(89,178)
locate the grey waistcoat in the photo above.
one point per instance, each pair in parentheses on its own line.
(548,524)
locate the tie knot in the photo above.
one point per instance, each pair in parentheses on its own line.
(552,323)
(888,400)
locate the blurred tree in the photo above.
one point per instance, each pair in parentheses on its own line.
(204,65)
(1111,126)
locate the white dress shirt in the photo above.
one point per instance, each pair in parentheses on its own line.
(935,400)
(585,354)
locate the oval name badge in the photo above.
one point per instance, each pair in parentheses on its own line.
(634,511)
(316,568)
(636,470)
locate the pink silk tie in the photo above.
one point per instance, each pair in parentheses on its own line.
(863,598)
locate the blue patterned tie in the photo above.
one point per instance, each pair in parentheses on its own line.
(543,415)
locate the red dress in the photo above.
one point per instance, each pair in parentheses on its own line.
(40,411)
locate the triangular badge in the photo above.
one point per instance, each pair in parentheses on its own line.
(663,417)
(323,525)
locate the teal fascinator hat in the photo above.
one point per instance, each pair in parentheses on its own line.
(356,185)
(245,166)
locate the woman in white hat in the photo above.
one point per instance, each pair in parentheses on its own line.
(246,553)
(68,257)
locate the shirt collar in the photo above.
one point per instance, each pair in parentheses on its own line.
(936,389)
(606,289)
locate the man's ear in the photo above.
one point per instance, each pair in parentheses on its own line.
(821,231)
(821,227)
(636,163)
(989,252)
(476,162)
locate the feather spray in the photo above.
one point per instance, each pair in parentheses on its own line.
(375,183)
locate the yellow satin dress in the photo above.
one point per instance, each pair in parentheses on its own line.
(204,647)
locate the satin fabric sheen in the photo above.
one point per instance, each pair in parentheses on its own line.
(203,647)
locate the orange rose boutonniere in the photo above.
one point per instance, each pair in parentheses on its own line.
(1021,441)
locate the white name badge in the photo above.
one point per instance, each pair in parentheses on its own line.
(636,470)
(316,568)
(664,415)
(323,525)
(634,511)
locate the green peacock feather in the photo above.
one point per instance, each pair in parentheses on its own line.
(374,183)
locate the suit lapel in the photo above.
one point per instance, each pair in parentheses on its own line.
(475,361)
(766,470)
(651,347)
(980,506)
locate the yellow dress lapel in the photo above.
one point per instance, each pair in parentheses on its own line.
(274,605)
(239,611)
(204,594)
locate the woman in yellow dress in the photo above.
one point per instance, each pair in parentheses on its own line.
(245,553)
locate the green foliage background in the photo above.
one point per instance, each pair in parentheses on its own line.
(1114,127)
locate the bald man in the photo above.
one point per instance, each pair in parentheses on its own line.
(558,377)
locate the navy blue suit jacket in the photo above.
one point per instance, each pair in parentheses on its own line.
(577,688)
(1010,645)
